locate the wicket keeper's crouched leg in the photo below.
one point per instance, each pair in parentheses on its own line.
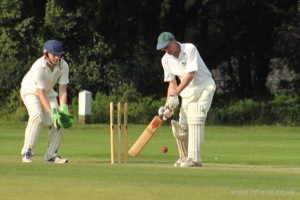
(55,135)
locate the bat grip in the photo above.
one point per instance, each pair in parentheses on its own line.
(162,117)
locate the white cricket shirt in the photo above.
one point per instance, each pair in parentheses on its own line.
(40,76)
(189,60)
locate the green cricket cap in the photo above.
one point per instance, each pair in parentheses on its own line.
(164,39)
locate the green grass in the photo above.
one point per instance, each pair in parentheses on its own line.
(252,162)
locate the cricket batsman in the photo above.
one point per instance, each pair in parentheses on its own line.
(196,89)
(41,102)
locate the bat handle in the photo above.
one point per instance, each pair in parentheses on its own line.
(162,117)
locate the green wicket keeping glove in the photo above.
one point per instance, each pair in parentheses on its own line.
(55,117)
(66,118)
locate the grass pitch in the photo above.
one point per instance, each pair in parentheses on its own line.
(238,163)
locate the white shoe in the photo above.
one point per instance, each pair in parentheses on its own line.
(179,161)
(190,163)
(57,159)
(27,157)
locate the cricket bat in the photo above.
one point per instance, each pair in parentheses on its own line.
(145,136)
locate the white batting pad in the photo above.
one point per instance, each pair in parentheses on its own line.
(32,134)
(195,118)
(180,133)
(54,141)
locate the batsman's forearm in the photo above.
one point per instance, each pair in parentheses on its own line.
(184,83)
(171,88)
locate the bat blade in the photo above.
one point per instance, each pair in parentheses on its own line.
(145,136)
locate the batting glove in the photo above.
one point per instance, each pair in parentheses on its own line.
(168,113)
(161,110)
(165,112)
(173,102)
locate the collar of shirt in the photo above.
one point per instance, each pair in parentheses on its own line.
(181,54)
(56,67)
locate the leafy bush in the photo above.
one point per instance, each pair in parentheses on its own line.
(100,108)
(283,109)
(13,108)
(139,112)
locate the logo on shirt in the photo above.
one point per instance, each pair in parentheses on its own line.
(183,63)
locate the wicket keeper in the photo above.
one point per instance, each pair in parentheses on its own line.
(196,89)
(41,102)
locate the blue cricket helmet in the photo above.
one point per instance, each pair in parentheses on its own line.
(54,47)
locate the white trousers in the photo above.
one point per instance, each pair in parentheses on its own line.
(202,93)
(37,118)
(199,97)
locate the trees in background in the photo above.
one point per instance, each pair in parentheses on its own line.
(110,44)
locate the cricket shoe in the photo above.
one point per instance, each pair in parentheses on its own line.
(57,159)
(27,157)
(179,161)
(190,163)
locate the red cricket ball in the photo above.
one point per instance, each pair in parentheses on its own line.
(164,149)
